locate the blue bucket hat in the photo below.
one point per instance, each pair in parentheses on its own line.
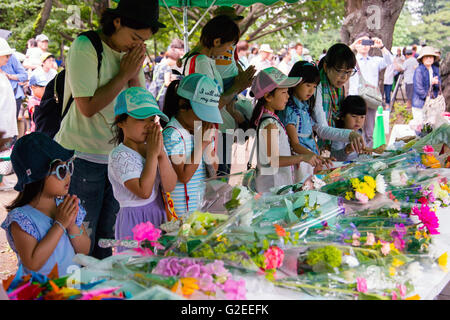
(32,156)
(138,103)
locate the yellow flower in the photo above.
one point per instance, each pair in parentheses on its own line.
(370,181)
(397,263)
(392,271)
(355,182)
(349,195)
(442,260)
(414,297)
(188,286)
(393,248)
(418,235)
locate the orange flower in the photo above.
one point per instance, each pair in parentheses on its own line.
(188,286)
(414,297)
(279,230)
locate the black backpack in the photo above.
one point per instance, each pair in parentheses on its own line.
(49,114)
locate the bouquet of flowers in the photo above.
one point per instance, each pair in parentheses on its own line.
(36,286)
(360,189)
(188,277)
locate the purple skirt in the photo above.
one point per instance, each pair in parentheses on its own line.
(129,217)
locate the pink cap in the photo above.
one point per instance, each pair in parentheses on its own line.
(271,78)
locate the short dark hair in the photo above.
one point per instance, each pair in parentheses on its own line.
(339,56)
(108,28)
(219,27)
(351,104)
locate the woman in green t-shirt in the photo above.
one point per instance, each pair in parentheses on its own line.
(87,126)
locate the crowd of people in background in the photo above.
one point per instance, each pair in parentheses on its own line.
(133,121)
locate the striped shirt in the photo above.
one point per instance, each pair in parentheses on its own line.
(180,141)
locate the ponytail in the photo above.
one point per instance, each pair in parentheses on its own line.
(173,102)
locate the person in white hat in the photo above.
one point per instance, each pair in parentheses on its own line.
(33,59)
(425,75)
(262,60)
(8,123)
(47,67)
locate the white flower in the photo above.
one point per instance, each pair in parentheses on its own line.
(398,178)
(415,270)
(379,166)
(381,185)
(351,261)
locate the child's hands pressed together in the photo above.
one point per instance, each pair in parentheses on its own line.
(208,133)
(154,140)
(66,212)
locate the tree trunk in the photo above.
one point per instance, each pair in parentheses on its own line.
(43,17)
(445,79)
(377,17)
(99,6)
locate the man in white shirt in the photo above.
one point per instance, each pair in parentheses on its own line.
(370,66)
(408,67)
(262,60)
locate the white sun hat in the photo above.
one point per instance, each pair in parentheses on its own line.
(5,49)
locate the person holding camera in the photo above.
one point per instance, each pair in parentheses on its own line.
(369,67)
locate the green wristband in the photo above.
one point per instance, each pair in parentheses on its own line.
(73,236)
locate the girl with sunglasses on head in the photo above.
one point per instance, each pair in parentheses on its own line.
(44,223)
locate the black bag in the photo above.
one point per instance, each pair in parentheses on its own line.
(49,114)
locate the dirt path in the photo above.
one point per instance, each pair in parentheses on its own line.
(8,260)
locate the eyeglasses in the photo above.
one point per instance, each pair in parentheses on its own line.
(62,170)
(343,73)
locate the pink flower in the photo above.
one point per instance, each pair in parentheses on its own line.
(206,282)
(273,257)
(234,290)
(191,272)
(370,241)
(427,217)
(402,289)
(428,149)
(217,268)
(146,231)
(385,248)
(361,197)
(394,295)
(355,242)
(361,285)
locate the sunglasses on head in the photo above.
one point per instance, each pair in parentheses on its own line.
(62,170)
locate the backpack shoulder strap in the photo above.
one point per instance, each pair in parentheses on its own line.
(96,41)
(194,56)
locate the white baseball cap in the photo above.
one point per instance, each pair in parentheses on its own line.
(271,78)
(204,94)
(42,37)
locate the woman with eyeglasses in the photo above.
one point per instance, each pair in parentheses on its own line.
(44,223)
(335,68)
